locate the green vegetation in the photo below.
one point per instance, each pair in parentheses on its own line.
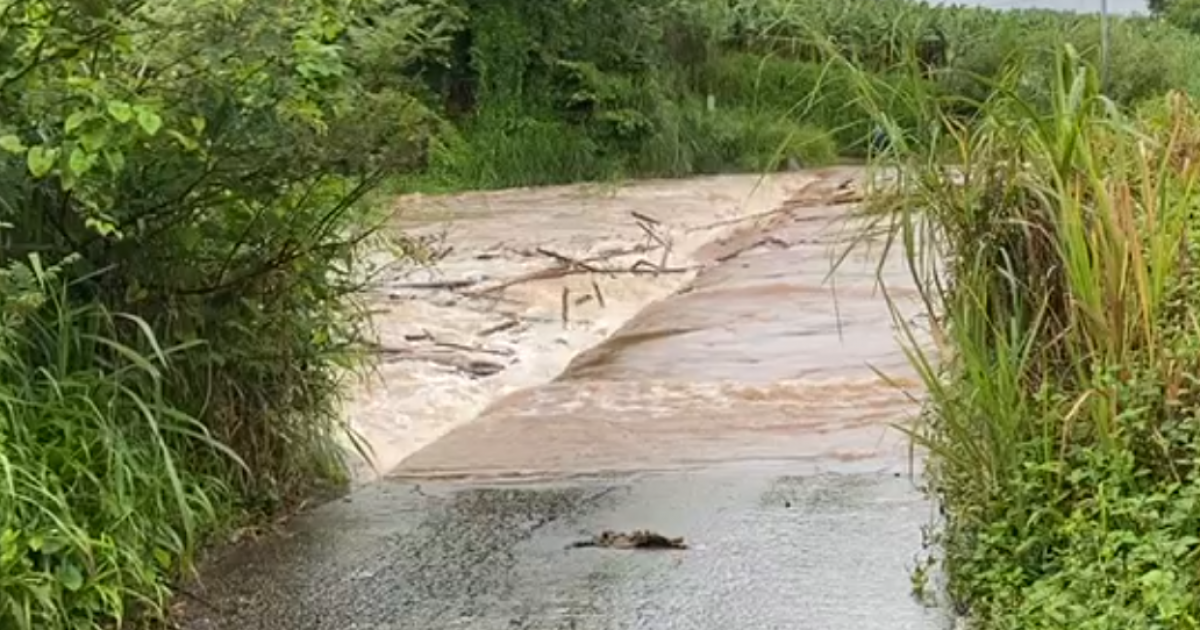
(1061,422)
(541,93)
(1184,14)
(178,218)
(186,189)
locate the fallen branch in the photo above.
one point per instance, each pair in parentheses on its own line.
(566,260)
(666,256)
(566,305)
(436,285)
(767,240)
(599,295)
(638,539)
(460,346)
(652,234)
(625,251)
(501,327)
(736,220)
(474,367)
(644,217)
(640,267)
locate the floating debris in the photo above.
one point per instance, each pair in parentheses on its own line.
(638,539)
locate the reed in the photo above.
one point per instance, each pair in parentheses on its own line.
(1060,422)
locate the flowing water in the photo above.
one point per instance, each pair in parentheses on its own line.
(742,398)
(746,345)
(767,354)
(487,320)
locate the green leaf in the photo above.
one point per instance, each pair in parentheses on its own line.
(80,161)
(12,144)
(116,161)
(53,545)
(75,120)
(70,577)
(101,226)
(163,557)
(121,111)
(95,139)
(149,121)
(41,160)
(187,142)
(199,124)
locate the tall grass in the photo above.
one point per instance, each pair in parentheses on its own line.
(94,507)
(1061,421)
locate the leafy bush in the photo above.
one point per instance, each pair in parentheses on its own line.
(1184,14)
(95,502)
(882,35)
(495,152)
(181,204)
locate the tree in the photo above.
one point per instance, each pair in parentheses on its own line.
(1184,14)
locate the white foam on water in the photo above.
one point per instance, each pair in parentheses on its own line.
(420,391)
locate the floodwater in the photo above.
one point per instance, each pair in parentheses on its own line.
(448,351)
(744,398)
(767,354)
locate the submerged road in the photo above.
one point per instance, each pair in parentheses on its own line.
(746,413)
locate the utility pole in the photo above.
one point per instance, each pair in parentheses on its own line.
(1103,45)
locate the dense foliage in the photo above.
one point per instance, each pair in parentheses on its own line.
(178,217)
(553,92)
(1061,419)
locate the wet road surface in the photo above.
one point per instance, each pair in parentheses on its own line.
(768,551)
(750,413)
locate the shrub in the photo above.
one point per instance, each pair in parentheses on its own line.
(181,211)
(1060,418)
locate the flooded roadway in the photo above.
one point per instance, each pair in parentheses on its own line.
(746,408)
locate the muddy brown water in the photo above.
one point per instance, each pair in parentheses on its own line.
(746,403)
(768,353)
(743,312)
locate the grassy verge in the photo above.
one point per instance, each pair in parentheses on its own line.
(1062,413)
